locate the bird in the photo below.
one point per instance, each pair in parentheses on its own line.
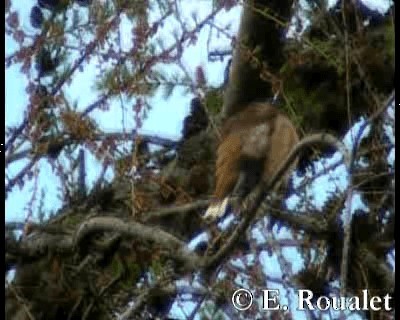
(254,143)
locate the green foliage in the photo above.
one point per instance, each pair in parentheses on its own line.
(131,81)
(297,98)
(133,271)
(316,76)
(117,267)
(72,220)
(210,311)
(170,82)
(157,267)
(128,271)
(101,12)
(330,51)
(214,100)
(390,40)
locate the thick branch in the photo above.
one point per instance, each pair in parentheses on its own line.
(259,44)
(140,231)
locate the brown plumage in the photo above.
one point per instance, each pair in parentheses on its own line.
(254,143)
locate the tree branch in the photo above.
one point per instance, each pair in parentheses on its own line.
(165,212)
(137,230)
(62,142)
(255,50)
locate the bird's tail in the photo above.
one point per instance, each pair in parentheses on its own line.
(216,210)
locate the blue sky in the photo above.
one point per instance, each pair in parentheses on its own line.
(165,119)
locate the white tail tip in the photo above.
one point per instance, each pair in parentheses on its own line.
(216,210)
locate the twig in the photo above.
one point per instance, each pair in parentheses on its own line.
(18,178)
(14,226)
(22,302)
(215,54)
(102,291)
(164,212)
(157,287)
(63,142)
(347,219)
(75,307)
(94,105)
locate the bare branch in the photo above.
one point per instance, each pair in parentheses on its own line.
(164,212)
(140,231)
(19,177)
(348,216)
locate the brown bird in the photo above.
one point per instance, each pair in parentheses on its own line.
(254,143)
